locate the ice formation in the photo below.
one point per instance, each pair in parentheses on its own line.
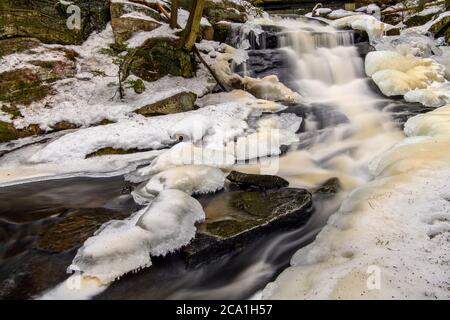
(119,247)
(404,210)
(436,95)
(268,88)
(396,74)
(374,28)
(191,179)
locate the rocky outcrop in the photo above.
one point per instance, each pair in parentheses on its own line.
(255,213)
(46,20)
(159,57)
(26,85)
(224,10)
(256,181)
(180,102)
(72,230)
(128,18)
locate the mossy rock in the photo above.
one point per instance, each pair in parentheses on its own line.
(110,151)
(17,45)
(8,132)
(46,19)
(256,181)
(418,20)
(248,215)
(224,10)
(442,28)
(180,102)
(159,57)
(331,187)
(222,31)
(26,85)
(22,86)
(72,230)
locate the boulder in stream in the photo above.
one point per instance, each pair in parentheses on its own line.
(256,181)
(235,218)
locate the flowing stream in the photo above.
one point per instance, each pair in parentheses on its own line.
(346,125)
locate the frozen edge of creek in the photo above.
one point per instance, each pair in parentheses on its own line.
(389,240)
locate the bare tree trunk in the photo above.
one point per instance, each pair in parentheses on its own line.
(192,29)
(174,14)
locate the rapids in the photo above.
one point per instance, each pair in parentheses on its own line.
(345,127)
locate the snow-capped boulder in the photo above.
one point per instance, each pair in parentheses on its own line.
(374,28)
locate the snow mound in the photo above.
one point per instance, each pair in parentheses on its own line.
(119,247)
(396,74)
(148,133)
(373,27)
(186,153)
(264,142)
(191,179)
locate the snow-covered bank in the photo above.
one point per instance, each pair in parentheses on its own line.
(389,240)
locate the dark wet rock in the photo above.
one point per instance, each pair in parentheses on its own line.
(31,273)
(360,36)
(330,187)
(180,102)
(159,57)
(262,63)
(392,18)
(222,32)
(46,19)
(247,215)
(442,28)
(71,231)
(418,20)
(401,111)
(364,48)
(269,39)
(256,181)
(325,116)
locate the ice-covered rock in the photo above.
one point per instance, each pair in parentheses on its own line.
(372,26)
(191,179)
(436,95)
(396,74)
(119,247)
